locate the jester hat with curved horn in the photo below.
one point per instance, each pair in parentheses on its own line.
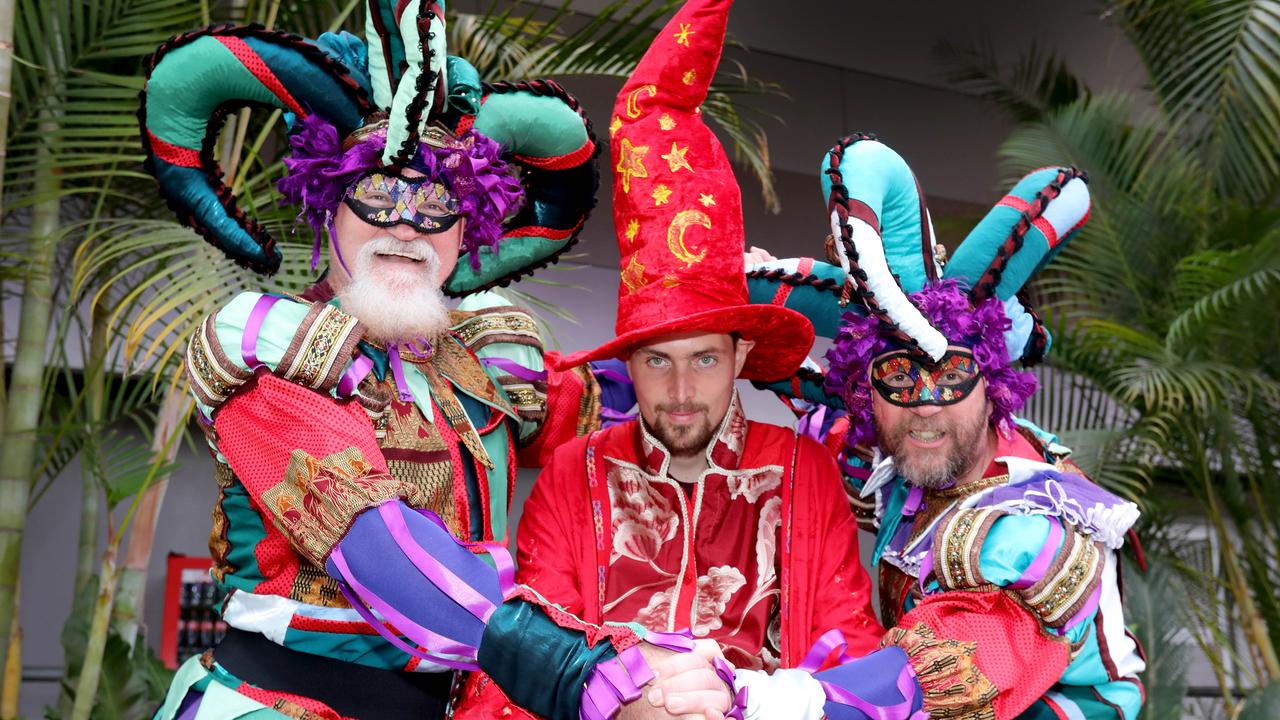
(678,209)
(884,268)
(398,101)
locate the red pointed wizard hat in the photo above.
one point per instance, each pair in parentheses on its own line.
(677,209)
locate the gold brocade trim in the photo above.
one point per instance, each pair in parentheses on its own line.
(591,403)
(953,686)
(320,348)
(313,586)
(1071,579)
(502,324)
(213,376)
(959,541)
(219,545)
(453,362)
(318,499)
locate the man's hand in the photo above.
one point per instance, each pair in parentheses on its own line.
(755,256)
(686,686)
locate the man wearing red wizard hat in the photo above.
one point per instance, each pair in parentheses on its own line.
(691,517)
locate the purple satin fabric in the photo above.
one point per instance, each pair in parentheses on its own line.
(613,375)
(502,562)
(907,687)
(253,327)
(442,577)
(512,367)
(811,424)
(357,595)
(419,349)
(353,375)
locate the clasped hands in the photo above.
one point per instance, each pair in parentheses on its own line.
(685,686)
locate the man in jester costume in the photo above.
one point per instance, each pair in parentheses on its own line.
(692,516)
(363,435)
(999,561)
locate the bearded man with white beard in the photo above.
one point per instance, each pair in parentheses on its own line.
(364,435)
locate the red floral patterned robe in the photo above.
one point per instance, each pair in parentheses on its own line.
(761,553)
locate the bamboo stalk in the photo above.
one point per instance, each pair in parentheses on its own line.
(170,422)
(91,671)
(22,414)
(7,9)
(91,480)
(11,689)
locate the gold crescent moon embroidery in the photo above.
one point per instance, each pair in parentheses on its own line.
(633,102)
(675,236)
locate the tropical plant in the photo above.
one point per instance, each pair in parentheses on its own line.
(100,258)
(1166,304)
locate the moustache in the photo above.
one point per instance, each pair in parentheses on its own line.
(682,408)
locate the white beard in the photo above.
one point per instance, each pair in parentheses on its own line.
(396,303)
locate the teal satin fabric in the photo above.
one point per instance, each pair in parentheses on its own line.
(541,666)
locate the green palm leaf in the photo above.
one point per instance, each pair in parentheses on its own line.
(1215,67)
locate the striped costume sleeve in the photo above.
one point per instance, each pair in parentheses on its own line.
(507,341)
(307,344)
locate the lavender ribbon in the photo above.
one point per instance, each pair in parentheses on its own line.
(738,706)
(419,349)
(357,595)
(899,711)
(502,562)
(822,647)
(353,375)
(253,327)
(1038,567)
(471,600)
(613,683)
(511,367)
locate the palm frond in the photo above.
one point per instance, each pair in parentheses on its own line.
(1215,67)
(1038,82)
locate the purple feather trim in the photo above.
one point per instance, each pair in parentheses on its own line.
(947,308)
(320,173)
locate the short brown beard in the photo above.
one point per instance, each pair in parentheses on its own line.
(682,440)
(967,449)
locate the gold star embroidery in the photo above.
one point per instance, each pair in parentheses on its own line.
(661,194)
(689,77)
(676,158)
(613,126)
(665,122)
(682,37)
(633,275)
(707,199)
(631,163)
(633,227)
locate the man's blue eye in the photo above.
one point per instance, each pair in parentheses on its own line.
(706,361)
(656,362)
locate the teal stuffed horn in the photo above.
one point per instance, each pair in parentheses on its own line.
(196,78)
(543,131)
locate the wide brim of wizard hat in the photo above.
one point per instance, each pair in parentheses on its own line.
(782,338)
(678,209)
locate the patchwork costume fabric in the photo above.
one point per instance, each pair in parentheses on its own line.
(364,486)
(1002,594)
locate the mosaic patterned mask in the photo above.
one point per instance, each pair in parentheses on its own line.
(905,380)
(383,199)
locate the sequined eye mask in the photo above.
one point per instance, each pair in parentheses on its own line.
(903,380)
(384,200)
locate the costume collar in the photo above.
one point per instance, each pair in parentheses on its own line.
(724,453)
